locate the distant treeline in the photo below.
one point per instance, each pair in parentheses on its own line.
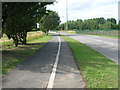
(91,24)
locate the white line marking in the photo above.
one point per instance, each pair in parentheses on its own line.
(105,42)
(108,43)
(52,77)
(114,44)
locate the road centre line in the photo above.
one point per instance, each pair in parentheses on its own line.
(52,77)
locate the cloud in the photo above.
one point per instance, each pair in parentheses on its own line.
(84,9)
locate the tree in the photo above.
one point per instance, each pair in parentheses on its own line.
(49,21)
(79,23)
(112,20)
(92,24)
(20,17)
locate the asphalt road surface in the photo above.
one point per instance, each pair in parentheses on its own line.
(52,63)
(107,46)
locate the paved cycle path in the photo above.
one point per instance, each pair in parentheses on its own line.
(35,72)
(68,75)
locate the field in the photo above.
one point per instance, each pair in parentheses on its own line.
(69,32)
(102,33)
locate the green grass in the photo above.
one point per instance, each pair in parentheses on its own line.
(69,32)
(116,37)
(13,56)
(97,70)
(72,32)
(7,43)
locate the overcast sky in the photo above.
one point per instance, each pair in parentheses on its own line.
(86,9)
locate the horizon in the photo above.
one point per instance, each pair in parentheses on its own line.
(84,10)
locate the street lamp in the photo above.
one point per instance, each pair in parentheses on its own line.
(67,17)
(119,12)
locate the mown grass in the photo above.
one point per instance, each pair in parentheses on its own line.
(98,71)
(72,32)
(102,33)
(69,32)
(116,37)
(13,56)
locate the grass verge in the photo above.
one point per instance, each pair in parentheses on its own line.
(98,71)
(74,32)
(69,32)
(15,55)
(116,37)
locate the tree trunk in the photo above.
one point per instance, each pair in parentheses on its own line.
(47,33)
(16,43)
(23,38)
(15,39)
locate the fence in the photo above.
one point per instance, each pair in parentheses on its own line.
(100,32)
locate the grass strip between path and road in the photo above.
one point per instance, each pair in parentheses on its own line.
(97,70)
(13,56)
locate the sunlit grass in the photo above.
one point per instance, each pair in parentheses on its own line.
(69,32)
(116,37)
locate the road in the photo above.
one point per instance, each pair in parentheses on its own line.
(107,46)
(53,66)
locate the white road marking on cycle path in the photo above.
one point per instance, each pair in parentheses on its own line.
(52,77)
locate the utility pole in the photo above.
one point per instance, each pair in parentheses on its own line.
(119,12)
(67,17)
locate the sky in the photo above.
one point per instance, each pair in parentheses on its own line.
(85,9)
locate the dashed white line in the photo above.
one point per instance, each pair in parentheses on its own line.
(52,77)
